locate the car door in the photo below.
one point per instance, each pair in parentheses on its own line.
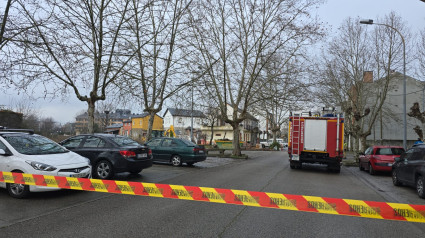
(155,145)
(4,161)
(364,159)
(166,149)
(91,148)
(401,167)
(413,162)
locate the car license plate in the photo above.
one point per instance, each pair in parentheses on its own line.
(144,155)
(201,152)
(390,164)
(80,175)
(295,157)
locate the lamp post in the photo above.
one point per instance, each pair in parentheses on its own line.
(191,116)
(370,22)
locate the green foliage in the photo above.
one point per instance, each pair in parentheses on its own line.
(275,145)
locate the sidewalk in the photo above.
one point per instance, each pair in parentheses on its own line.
(349,159)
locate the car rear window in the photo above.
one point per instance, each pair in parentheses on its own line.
(188,142)
(389,151)
(33,144)
(124,141)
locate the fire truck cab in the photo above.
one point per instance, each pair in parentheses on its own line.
(315,138)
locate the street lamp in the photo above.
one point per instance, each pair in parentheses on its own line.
(191,116)
(370,22)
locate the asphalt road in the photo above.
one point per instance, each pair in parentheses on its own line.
(70,213)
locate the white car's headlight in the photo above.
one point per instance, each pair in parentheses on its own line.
(40,166)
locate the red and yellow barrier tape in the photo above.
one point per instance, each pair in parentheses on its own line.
(335,206)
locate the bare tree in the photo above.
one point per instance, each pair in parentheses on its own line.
(30,115)
(4,20)
(155,33)
(286,90)
(7,32)
(416,113)
(236,39)
(212,115)
(352,53)
(47,126)
(75,50)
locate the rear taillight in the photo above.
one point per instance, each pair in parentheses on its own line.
(150,152)
(127,153)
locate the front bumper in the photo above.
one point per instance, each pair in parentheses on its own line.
(79,172)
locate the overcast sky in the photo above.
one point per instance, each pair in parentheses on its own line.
(333,12)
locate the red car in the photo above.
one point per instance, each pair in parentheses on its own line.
(379,158)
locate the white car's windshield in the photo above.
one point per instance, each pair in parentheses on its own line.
(33,144)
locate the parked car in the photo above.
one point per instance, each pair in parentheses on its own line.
(267,143)
(379,158)
(110,154)
(176,151)
(409,169)
(22,151)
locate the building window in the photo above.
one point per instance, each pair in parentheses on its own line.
(217,134)
(133,123)
(180,120)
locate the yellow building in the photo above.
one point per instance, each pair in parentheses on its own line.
(139,126)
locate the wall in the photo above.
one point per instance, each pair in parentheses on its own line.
(142,123)
(392,115)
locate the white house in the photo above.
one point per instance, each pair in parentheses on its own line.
(180,119)
(248,129)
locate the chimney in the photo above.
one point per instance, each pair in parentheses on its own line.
(368,76)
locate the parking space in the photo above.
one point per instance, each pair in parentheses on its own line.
(39,204)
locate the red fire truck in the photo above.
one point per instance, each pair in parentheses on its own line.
(315,138)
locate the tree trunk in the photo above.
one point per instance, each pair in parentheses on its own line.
(150,125)
(236,146)
(90,112)
(363,143)
(212,133)
(356,147)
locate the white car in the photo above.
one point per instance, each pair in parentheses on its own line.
(265,144)
(22,151)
